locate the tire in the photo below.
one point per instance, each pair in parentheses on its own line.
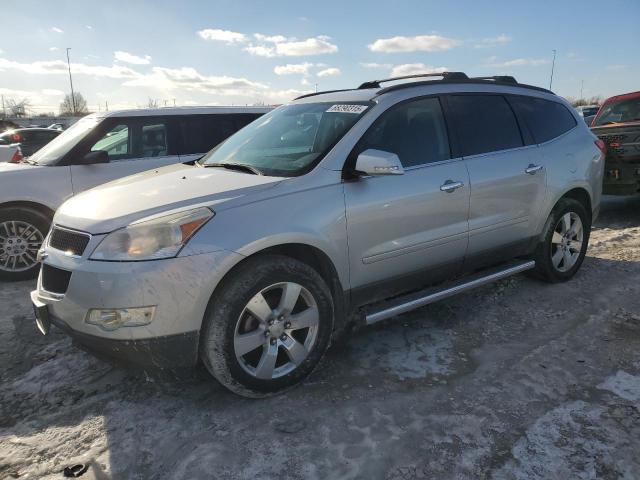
(556,240)
(22,228)
(245,315)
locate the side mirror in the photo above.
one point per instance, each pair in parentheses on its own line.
(378,162)
(94,157)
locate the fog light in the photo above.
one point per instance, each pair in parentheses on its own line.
(114,318)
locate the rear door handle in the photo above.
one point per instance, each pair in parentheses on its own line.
(532,169)
(449,186)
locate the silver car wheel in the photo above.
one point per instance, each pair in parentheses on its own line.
(19,244)
(276,330)
(566,242)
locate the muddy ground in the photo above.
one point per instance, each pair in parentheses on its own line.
(518,380)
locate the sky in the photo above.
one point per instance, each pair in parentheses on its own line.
(223,52)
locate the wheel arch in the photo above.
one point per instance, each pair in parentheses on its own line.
(314,257)
(581,195)
(39,207)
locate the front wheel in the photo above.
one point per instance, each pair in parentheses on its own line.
(22,232)
(267,327)
(564,242)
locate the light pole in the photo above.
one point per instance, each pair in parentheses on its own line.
(581,88)
(553,64)
(73,97)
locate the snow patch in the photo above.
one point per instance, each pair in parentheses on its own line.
(624,385)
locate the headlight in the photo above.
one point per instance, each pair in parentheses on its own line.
(162,237)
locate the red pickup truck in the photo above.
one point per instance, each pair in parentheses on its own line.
(618,125)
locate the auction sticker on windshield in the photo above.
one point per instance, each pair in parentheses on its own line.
(348,108)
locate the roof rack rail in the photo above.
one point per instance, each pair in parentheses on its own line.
(444,75)
(498,78)
(325,91)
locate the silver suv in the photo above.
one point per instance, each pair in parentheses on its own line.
(339,207)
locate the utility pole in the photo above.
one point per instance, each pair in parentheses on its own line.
(4,111)
(73,96)
(581,88)
(106,106)
(553,64)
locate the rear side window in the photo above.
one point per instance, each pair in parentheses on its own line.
(200,133)
(484,123)
(545,119)
(415,131)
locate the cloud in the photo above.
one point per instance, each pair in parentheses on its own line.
(414,69)
(56,30)
(280,46)
(58,67)
(517,62)
(293,68)
(261,51)
(374,65)
(51,49)
(615,67)
(51,92)
(419,43)
(270,46)
(127,57)
(88,27)
(329,72)
(187,78)
(270,39)
(493,41)
(226,36)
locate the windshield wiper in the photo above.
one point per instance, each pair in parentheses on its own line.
(235,166)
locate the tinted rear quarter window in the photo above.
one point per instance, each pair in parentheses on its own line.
(545,119)
(200,133)
(484,123)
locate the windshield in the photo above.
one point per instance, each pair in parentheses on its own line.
(619,112)
(63,143)
(289,140)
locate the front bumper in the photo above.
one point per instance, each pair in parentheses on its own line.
(179,288)
(171,351)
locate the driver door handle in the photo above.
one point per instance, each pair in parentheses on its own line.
(532,169)
(449,186)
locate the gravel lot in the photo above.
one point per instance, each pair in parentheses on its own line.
(516,380)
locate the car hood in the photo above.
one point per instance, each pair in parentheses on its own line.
(118,203)
(18,167)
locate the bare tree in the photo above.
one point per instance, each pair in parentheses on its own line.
(18,108)
(152,103)
(577,102)
(74,107)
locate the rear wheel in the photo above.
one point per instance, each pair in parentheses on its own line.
(267,327)
(22,231)
(564,242)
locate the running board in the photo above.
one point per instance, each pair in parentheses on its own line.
(420,299)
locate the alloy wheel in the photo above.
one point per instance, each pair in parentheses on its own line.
(276,330)
(19,244)
(566,242)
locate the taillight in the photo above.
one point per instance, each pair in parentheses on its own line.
(602,146)
(17,156)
